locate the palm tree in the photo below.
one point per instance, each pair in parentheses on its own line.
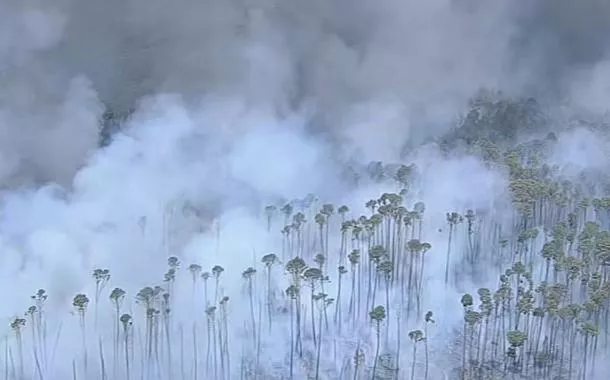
(146,298)
(17,325)
(211,313)
(415,248)
(312,275)
(195,271)
(287,210)
(588,330)
(116,297)
(298,221)
(372,205)
(343,210)
(167,325)
(285,241)
(470,219)
(467,305)
(321,220)
(337,318)
(295,267)
(346,226)
(321,261)
(376,253)
(377,315)
(453,219)
(269,260)
(386,268)
(223,338)
(32,313)
(40,299)
(269,211)
(248,275)
(486,308)
(101,277)
(39,332)
(292,293)
(539,318)
(323,302)
(416,336)
(424,248)
(80,303)
(217,271)
(403,175)
(205,276)
(419,209)
(428,319)
(354,259)
(471,319)
(173,264)
(327,210)
(359,360)
(126,321)
(516,339)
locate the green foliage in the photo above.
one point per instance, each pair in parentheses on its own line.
(80,302)
(378,314)
(466,300)
(416,336)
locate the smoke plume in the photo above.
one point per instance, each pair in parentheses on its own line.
(229,104)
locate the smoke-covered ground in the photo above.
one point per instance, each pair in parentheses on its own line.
(225,107)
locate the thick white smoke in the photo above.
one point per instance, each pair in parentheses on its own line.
(240,102)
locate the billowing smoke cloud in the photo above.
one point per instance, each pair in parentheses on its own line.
(333,58)
(413,64)
(241,102)
(48,119)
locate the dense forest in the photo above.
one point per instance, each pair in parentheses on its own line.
(344,294)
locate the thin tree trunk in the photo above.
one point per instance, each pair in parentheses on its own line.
(448,254)
(378,328)
(292,342)
(319,349)
(414,358)
(102,361)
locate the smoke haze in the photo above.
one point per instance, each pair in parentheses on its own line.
(234,103)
